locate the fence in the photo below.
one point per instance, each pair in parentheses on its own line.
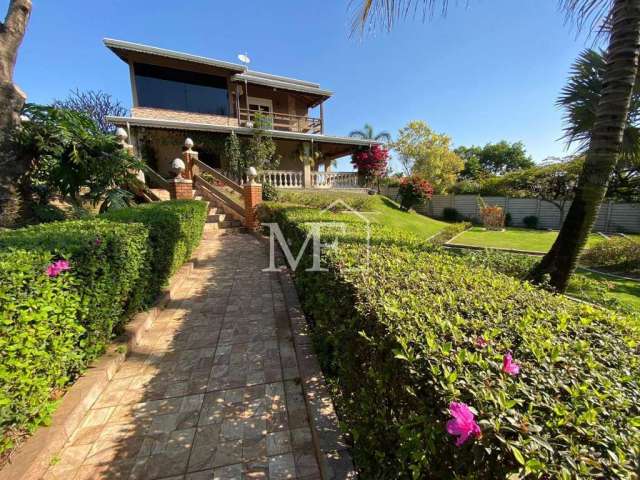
(612,217)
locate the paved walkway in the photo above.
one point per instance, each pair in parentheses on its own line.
(212,392)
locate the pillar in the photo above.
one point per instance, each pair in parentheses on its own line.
(180,189)
(252,198)
(306,177)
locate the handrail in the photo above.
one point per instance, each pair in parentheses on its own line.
(218,175)
(219,193)
(156,177)
(285,121)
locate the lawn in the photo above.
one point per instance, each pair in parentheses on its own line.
(387,212)
(627,292)
(513,238)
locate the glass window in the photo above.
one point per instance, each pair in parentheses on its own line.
(173,89)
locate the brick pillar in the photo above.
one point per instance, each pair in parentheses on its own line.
(188,156)
(252,198)
(181,189)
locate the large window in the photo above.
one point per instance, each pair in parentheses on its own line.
(173,89)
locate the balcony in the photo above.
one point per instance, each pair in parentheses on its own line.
(283,121)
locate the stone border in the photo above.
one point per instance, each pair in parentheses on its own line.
(33,458)
(462,246)
(331,449)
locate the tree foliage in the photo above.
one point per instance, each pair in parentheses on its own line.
(96,104)
(261,149)
(235,159)
(493,159)
(428,154)
(71,156)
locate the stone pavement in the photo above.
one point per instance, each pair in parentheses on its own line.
(213,389)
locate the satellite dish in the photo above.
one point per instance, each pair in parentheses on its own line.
(244,58)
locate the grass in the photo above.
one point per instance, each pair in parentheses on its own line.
(387,212)
(627,292)
(513,238)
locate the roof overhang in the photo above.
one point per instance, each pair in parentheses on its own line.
(206,127)
(123,50)
(269,82)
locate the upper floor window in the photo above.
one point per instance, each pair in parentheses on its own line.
(173,89)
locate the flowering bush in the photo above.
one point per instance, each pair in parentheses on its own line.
(551,386)
(413,191)
(492,216)
(371,162)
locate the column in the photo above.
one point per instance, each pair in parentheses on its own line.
(180,189)
(252,198)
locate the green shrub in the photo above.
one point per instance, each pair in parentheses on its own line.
(449,232)
(175,230)
(269,192)
(356,201)
(451,215)
(39,339)
(109,262)
(399,341)
(531,221)
(618,254)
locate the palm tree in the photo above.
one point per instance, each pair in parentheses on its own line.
(367,133)
(620,19)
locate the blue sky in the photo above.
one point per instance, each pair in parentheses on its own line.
(484,73)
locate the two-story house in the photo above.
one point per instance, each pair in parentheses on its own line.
(176,95)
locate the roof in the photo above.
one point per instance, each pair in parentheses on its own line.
(123,48)
(207,127)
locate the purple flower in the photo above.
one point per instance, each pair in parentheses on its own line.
(481,342)
(463,424)
(98,242)
(57,267)
(509,366)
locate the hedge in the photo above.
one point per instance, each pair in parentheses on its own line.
(419,329)
(356,201)
(55,321)
(175,230)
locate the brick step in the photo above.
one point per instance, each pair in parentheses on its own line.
(161,193)
(230,223)
(232,230)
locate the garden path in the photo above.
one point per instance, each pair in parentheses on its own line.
(212,391)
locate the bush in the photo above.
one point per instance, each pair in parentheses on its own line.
(508,219)
(531,221)
(427,329)
(175,229)
(451,214)
(617,254)
(269,192)
(39,339)
(356,201)
(414,191)
(449,232)
(56,321)
(54,325)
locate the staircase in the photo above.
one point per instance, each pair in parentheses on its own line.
(218,220)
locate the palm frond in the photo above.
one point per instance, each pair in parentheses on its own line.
(593,15)
(384,13)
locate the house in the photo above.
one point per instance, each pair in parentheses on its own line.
(178,95)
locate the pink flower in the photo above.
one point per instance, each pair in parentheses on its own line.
(481,342)
(98,241)
(57,267)
(463,424)
(509,366)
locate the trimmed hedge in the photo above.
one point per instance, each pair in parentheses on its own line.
(175,230)
(51,327)
(357,201)
(400,341)
(618,254)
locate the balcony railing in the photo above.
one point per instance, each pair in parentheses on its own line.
(284,121)
(295,179)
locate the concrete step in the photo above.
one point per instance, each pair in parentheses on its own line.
(232,231)
(216,217)
(230,224)
(161,193)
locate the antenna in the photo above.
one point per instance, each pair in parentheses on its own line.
(244,58)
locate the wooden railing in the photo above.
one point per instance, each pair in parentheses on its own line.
(295,179)
(217,175)
(284,121)
(334,180)
(155,180)
(219,194)
(282,178)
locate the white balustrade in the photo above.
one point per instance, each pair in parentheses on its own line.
(282,178)
(334,179)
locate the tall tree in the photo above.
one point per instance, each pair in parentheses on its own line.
(428,154)
(620,19)
(12,100)
(494,159)
(98,105)
(368,133)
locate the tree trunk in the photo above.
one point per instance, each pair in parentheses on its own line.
(604,147)
(12,99)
